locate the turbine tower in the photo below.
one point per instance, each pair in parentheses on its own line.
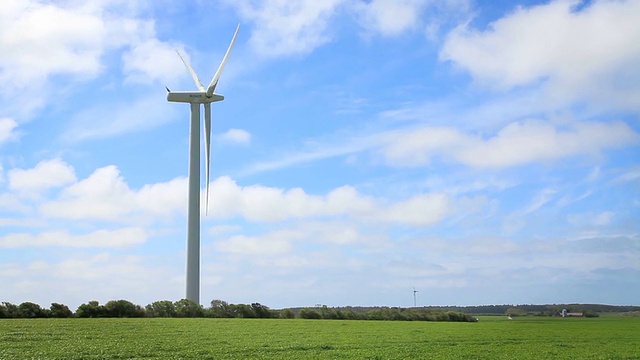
(414,297)
(204,96)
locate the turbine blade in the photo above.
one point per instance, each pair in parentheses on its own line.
(216,77)
(207,153)
(193,73)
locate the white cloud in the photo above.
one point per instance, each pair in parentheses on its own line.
(45,175)
(336,232)
(272,244)
(415,147)
(105,195)
(11,203)
(108,120)
(163,198)
(289,240)
(40,39)
(117,238)
(223,229)
(283,28)
(390,17)
(153,60)
(347,199)
(420,210)
(591,219)
(533,141)
(7,130)
(632,174)
(542,197)
(71,279)
(591,52)
(260,203)
(317,150)
(237,136)
(516,144)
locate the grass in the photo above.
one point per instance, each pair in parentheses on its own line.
(490,338)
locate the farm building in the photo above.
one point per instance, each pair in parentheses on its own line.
(565,313)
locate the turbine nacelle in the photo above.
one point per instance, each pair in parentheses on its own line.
(199,97)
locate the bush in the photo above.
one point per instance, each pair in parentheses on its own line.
(188,308)
(287,314)
(163,308)
(92,309)
(8,310)
(122,308)
(309,314)
(591,314)
(60,311)
(28,310)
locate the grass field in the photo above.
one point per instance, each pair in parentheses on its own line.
(490,338)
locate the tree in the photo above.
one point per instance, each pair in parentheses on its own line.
(59,311)
(287,314)
(220,309)
(261,311)
(8,310)
(590,314)
(92,309)
(122,308)
(30,310)
(349,314)
(188,308)
(163,308)
(243,311)
(375,314)
(513,311)
(307,313)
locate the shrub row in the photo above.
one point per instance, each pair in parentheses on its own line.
(222,309)
(384,313)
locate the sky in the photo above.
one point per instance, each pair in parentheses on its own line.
(481,152)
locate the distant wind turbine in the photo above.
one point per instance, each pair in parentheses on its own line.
(203,96)
(414,297)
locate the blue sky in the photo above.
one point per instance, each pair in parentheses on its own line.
(483,152)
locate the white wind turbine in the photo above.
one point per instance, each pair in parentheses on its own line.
(204,96)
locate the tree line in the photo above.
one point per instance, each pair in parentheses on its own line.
(221,309)
(589,310)
(383,313)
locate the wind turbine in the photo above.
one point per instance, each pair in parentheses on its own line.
(202,96)
(414,297)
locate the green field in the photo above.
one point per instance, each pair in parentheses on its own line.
(490,338)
